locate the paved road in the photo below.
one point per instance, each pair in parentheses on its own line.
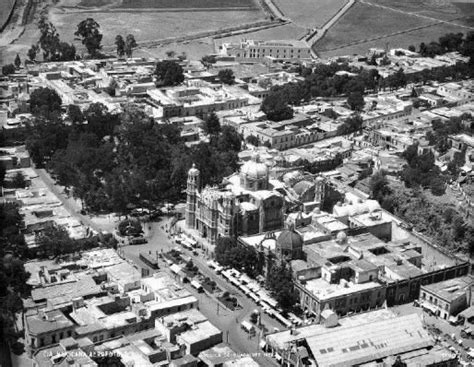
(226,320)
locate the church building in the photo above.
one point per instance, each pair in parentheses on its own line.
(250,201)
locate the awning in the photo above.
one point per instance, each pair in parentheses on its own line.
(467,313)
(429,307)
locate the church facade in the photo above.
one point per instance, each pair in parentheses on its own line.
(248,202)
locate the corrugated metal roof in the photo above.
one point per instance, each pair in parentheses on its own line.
(368,342)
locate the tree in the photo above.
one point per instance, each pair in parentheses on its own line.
(170,54)
(89,31)
(19,181)
(351,125)
(130,44)
(437,186)
(468,47)
(75,114)
(17,61)
(208,60)
(110,89)
(168,73)
(412,48)
(45,101)
(8,69)
(212,125)
(49,38)
(226,76)
(280,282)
(253,140)
(229,253)
(356,101)
(120,43)
(32,52)
(254,317)
(276,107)
(379,186)
(65,52)
(451,41)
(55,241)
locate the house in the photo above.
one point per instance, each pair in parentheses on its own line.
(447,298)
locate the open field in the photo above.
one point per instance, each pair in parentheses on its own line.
(151,26)
(5,9)
(131,4)
(309,13)
(284,32)
(439,9)
(459,12)
(365,26)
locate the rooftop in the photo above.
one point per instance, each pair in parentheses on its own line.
(47,321)
(365,343)
(324,290)
(451,289)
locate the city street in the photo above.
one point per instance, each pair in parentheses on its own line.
(159,241)
(226,320)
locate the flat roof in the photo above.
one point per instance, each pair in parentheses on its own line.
(451,289)
(324,290)
(46,321)
(65,292)
(199,332)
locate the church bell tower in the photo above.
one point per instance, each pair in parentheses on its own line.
(191,196)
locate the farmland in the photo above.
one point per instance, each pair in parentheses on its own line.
(186,4)
(366,25)
(151,26)
(309,13)
(5,9)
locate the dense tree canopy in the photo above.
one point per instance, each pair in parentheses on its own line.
(168,73)
(45,102)
(89,32)
(120,44)
(276,107)
(280,282)
(8,69)
(226,76)
(243,258)
(115,162)
(212,126)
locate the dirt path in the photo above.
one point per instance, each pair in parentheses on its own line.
(450,22)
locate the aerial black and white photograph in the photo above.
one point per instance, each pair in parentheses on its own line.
(236,183)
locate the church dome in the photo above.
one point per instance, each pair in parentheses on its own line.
(289,240)
(254,168)
(302,186)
